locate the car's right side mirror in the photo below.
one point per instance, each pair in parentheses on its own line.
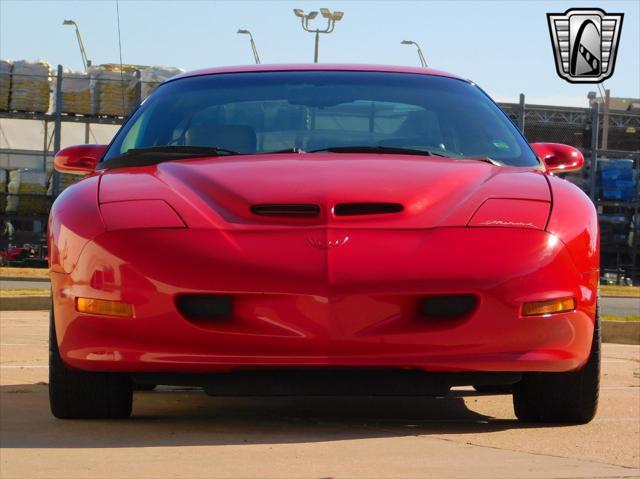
(79,159)
(559,158)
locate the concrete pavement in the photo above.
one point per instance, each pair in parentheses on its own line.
(620,306)
(183,433)
(8,284)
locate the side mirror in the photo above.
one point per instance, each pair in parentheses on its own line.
(559,158)
(79,159)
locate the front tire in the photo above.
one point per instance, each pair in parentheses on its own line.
(561,397)
(85,395)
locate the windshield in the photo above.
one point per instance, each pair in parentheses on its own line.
(261,112)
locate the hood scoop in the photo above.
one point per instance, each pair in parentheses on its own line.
(363,209)
(286,210)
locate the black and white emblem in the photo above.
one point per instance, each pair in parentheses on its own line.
(585,43)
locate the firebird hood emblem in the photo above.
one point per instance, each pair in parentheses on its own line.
(322,243)
(508,223)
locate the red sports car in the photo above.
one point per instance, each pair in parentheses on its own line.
(323,229)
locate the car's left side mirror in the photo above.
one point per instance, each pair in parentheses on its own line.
(559,158)
(79,159)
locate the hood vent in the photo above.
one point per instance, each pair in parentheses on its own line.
(286,210)
(361,209)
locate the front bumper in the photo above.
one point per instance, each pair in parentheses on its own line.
(326,297)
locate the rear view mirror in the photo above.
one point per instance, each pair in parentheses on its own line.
(79,159)
(559,158)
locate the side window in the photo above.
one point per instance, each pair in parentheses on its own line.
(134,137)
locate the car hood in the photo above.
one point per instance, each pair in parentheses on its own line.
(220,192)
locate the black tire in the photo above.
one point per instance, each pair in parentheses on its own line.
(561,397)
(493,388)
(85,395)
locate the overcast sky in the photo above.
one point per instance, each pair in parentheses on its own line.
(503,46)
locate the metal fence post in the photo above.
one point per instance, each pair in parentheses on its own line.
(57,130)
(521,114)
(593,166)
(605,119)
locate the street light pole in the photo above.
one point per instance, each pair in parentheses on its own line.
(85,61)
(332,18)
(256,57)
(423,62)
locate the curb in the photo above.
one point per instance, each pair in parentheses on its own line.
(621,332)
(25,303)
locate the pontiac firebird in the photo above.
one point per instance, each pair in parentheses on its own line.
(327,229)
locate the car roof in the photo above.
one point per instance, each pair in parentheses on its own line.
(316,67)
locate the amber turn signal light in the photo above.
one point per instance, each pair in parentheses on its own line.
(537,308)
(104,307)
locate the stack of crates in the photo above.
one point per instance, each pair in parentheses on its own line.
(30,86)
(615,228)
(27,192)
(113,89)
(617,180)
(76,93)
(151,77)
(617,203)
(5,83)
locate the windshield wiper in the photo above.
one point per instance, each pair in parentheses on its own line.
(486,159)
(293,149)
(157,154)
(384,150)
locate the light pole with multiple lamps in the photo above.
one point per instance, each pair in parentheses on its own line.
(253,44)
(332,18)
(85,61)
(423,62)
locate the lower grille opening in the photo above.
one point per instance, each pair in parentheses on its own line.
(454,306)
(360,209)
(286,210)
(326,381)
(203,307)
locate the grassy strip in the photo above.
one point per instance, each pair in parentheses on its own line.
(10,293)
(626,291)
(24,272)
(610,317)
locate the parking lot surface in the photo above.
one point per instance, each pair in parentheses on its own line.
(184,433)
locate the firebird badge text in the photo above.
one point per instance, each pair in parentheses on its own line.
(585,43)
(327,244)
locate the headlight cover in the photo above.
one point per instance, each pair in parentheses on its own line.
(137,214)
(511,213)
